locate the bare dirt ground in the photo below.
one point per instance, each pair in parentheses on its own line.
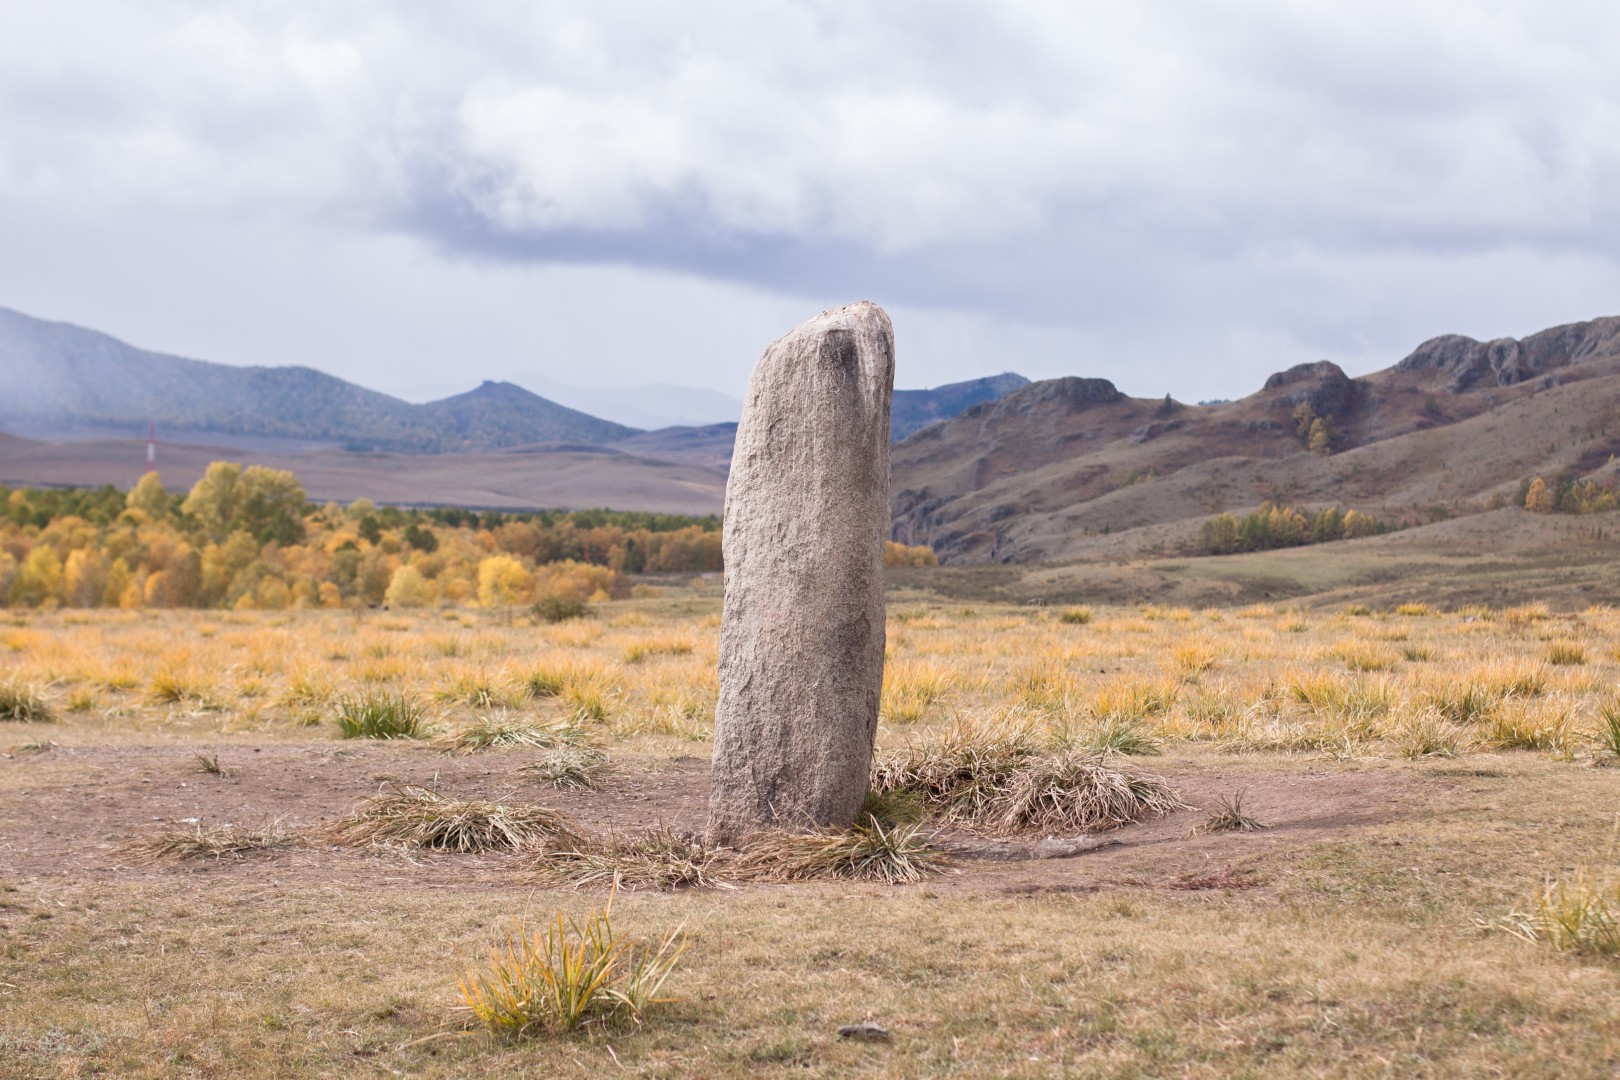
(78,812)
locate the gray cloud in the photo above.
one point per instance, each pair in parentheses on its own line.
(1181,195)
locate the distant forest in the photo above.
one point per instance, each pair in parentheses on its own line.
(249,538)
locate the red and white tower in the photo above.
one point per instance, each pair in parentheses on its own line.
(151,446)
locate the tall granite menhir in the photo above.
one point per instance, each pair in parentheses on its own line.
(801,639)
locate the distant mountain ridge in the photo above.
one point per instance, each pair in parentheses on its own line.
(1072,468)
(59,373)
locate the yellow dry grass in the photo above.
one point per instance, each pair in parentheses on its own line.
(1361,955)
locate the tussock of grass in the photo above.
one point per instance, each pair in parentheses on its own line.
(375,715)
(1566,653)
(1119,735)
(568,765)
(1539,726)
(572,974)
(993,777)
(960,776)
(503,730)
(481,691)
(172,685)
(1573,916)
(891,808)
(911,693)
(1607,735)
(218,842)
(1428,734)
(1076,792)
(1075,616)
(656,859)
(900,855)
(23,704)
(1463,702)
(1363,657)
(1229,816)
(421,817)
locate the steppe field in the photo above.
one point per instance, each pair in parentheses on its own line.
(1336,841)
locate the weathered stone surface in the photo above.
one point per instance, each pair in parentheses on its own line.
(801,638)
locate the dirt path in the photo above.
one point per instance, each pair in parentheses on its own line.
(72,813)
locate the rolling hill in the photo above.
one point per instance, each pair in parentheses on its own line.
(61,375)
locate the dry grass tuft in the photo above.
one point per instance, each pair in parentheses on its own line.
(421,817)
(960,776)
(503,730)
(1566,653)
(19,702)
(901,855)
(569,765)
(1109,734)
(656,859)
(573,974)
(219,842)
(1229,816)
(993,777)
(1532,726)
(1428,734)
(1573,916)
(375,715)
(1076,792)
(1607,735)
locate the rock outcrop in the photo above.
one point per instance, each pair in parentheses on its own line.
(1506,361)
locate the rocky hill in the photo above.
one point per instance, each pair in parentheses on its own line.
(63,375)
(914,409)
(1070,468)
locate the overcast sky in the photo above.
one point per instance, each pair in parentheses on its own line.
(1178,196)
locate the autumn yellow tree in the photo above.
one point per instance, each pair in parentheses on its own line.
(1538,499)
(149,497)
(409,589)
(502,581)
(1321,440)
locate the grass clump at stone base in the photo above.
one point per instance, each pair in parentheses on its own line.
(421,817)
(571,974)
(901,855)
(372,715)
(656,859)
(995,777)
(22,703)
(219,842)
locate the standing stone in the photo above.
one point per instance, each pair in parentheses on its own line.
(801,639)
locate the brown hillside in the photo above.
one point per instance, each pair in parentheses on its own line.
(1071,468)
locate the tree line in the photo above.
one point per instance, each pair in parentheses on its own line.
(1273,526)
(250,538)
(1567,495)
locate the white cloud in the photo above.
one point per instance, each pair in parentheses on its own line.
(1124,179)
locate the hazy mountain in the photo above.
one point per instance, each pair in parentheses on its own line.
(913,409)
(1068,468)
(63,375)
